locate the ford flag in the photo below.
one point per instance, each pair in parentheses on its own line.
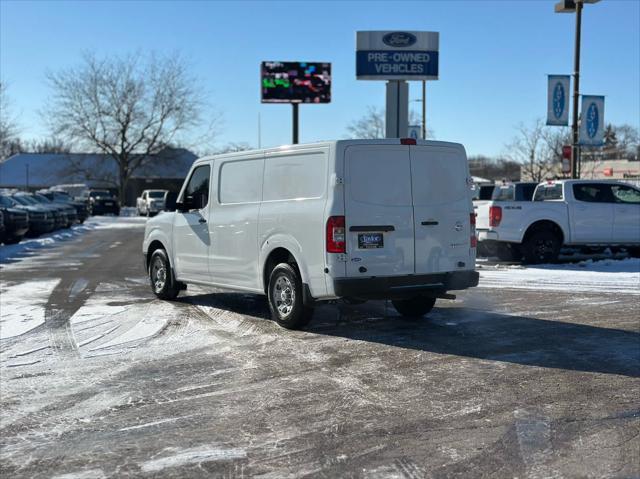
(558,100)
(592,120)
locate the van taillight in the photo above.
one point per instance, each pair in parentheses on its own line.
(336,235)
(495,215)
(472,221)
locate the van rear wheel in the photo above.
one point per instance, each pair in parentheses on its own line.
(286,298)
(414,307)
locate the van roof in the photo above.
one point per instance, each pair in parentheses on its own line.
(335,143)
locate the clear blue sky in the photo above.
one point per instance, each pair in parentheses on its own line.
(494,58)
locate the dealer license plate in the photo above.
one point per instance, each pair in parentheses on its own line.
(370,241)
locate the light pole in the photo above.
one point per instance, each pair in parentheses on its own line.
(423,100)
(570,6)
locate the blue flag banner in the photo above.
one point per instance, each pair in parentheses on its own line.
(558,100)
(592,121)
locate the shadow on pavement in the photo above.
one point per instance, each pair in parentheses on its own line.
(465,332)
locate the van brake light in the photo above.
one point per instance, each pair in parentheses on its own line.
(408,141)
(336,235)
(474,239)
(495,215)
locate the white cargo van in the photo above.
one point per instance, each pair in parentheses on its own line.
(357,219)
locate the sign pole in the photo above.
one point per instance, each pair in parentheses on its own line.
(424,109)
(295,123)
(575,158)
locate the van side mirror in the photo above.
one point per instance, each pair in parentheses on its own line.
(195,202)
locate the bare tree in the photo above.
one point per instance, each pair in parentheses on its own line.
(9,141)
(128,108)
(370,126)
(531,149)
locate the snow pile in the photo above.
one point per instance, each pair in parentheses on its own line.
(28,245)
(608,276)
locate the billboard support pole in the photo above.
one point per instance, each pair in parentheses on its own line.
(424,109)
(397,111)
(295,123)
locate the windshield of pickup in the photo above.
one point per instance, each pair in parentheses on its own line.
(156,194)
(503,193)
(548,192)
(100,194)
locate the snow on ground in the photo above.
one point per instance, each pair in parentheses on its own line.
(22,306)
(28,245)
(608,276)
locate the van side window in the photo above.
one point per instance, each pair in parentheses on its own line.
(309,171)
(625,194)
(241,181)
(199,183)
(592,193)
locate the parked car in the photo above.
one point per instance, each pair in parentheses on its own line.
(59,214)
(16,221)
(81,207)
(354,219)
(69,209)
(584,213)
(1,227)
(151,202)
(102,202)
(482,192)
(41,220)
(517,191)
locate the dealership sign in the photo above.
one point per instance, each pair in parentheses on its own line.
(397,55)
(592,120)
(558,100)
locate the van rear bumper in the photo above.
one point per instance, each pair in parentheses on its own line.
(392,287)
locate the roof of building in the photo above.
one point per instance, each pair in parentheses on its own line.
(48,169)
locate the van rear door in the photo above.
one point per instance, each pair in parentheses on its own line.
(378,211)
(442,208)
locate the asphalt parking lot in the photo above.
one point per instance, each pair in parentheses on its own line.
(100,379)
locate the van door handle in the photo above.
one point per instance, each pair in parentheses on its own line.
(429,223)
(373,228)
(202,220)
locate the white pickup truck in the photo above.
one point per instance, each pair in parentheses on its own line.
(151,202)
(562,213)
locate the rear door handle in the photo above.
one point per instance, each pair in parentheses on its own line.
(429,223)
(202,220)
(373,228)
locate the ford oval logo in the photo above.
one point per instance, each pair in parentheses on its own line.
(593,120)
(399,39)
(558,100)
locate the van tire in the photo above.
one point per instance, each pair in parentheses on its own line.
(163,284)
(414,307)
(285,296)
(541,246)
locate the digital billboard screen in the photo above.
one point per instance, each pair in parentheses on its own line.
(295,82)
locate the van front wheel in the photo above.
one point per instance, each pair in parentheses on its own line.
(285,298)
(414,307)
(161,276)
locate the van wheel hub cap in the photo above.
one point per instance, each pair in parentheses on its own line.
(284,296)
(158,274)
